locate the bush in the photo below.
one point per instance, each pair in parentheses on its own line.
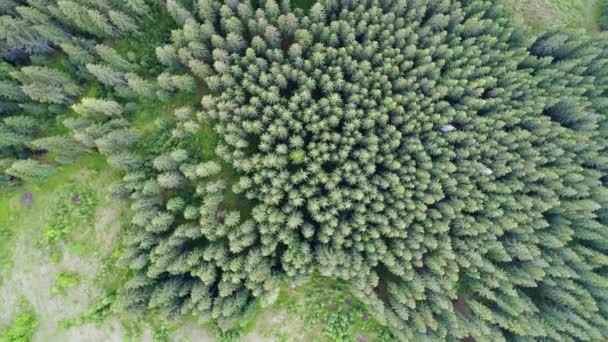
(64,281)
(23,327)
(97,313)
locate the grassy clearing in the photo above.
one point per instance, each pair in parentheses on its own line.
(57,275)
(316,309)
(546,14)
(17,217)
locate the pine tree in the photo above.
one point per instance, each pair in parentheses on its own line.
(107,75)
(64,149)
(122,22)
(176,82)
(112,58)
(140,86)
(18,36)
(139,7)
(96,108)
(46,85)
(30,170)
(177,11)
(421,149)
(77,54)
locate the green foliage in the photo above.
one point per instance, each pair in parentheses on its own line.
(304,4)
(335,322)
(97,313)
(69,211)
(297,157)
(541,15)
(232,335)
(30,170)
(65,280)
(400,109)
(23,326)
(603,14)
(328,312)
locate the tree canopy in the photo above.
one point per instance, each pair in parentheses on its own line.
(449,167)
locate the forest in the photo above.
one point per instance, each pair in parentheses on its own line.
(368,170)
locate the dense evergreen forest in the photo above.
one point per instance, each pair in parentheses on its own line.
(448,166)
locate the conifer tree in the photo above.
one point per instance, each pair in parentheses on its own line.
(46,85)
(30,170)
(112,58)
(64,148)
(107,75)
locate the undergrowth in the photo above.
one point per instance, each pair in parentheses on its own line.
(97,313)
(326,311)
(64,281)
(23,327)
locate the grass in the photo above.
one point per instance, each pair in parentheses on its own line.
(546,14)
(70,212)
(7,235)
(23,327)
(57,273)
(64,281)
(52,211)
(320,309)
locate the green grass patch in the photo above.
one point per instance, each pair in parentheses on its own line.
(321,309)
(73,208)
(7,235)
(23,327)
(53,212)
(64,281)
(541,15)
(97,313)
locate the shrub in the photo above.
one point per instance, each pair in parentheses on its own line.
(64,281)
(23,327)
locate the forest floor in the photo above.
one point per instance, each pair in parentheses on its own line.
(65,264)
